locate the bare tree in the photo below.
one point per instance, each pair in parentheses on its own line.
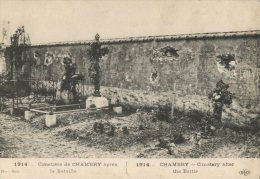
(4,31)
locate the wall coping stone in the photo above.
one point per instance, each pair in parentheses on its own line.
(231,34)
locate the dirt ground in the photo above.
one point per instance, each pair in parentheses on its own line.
(75,136)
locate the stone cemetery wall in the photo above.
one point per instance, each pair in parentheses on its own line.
(190,64)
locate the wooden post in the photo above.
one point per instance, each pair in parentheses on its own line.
(1,104)
(209,110)
(173,101)
(172,108)
(83,88)
(160,129)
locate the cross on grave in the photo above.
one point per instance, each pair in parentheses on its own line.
(96,53)
(19,41)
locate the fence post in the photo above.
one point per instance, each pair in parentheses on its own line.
(37,88)
(83,88)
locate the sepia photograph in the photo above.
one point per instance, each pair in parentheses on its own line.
(130,79)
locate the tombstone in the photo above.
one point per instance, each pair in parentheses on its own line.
(11,110)
(50,120)
(28,115)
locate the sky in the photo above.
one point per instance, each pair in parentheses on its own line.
(57,21)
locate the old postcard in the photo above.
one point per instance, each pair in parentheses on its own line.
(130,89)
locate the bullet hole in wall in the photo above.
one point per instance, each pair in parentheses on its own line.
(170,51)
(128,77)
(164,54)
(36,55)
(48,58)
(154,76)
(227,61)
(36,58)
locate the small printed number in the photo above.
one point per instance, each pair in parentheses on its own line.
(20,164)
(142,164)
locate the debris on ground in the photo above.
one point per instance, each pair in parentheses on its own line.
(137,134)
(112,131)
(125,130)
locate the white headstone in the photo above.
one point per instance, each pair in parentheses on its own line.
(50,120)
(28,115)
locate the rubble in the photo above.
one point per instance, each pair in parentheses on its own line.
(177,138)
(125,130)
(163,143)
(140,155)
(112,131)
(141,127)
(172,149)
(234,114)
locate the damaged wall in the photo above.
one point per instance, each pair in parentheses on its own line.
(154,64)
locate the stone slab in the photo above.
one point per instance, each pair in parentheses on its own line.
(118,109)
(11,110)
(98,102)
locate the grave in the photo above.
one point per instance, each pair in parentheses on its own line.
(96,53)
